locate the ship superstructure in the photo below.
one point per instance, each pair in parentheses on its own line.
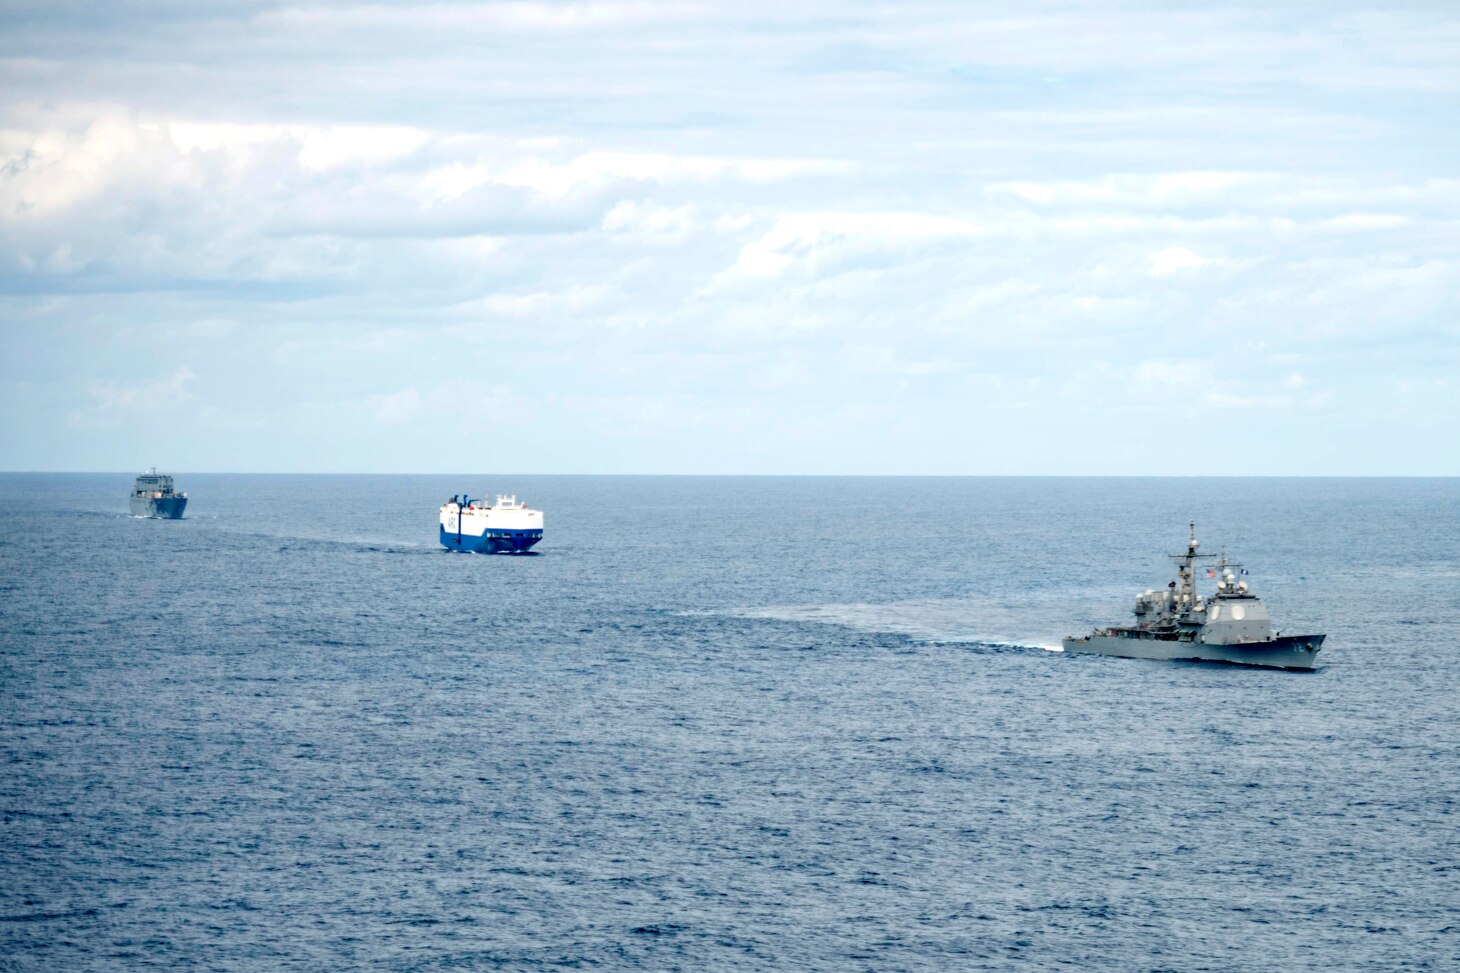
(1231,625)
(153,496)
(507,526)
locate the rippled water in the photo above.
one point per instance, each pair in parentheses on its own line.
(725,724)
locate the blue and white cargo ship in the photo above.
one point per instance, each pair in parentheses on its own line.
(153,496)
(505,527)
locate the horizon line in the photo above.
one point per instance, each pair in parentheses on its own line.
(909,476)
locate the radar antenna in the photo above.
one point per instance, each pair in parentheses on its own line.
(1186,573)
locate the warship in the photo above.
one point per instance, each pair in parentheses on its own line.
(153,496)
(507,527)
(1179,623)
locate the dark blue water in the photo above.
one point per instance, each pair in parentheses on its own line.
(719,724)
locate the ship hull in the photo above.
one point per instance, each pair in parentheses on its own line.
(1284,652)
(491,542)
(160,508)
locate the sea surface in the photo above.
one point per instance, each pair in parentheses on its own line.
(720,724)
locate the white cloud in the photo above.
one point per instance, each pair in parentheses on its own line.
(869,218)
(323,149)
(1161,188)
(650,219)
(397,408)
(1172,376)
(1172,260)
(150,397)
(1183,385)
(883,360)
(467,406)
(519,15)
(814,241)
(555,178)
(559,179)
(572,300)
(1369,221)
(147,201)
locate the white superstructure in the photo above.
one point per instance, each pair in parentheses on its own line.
(508,526)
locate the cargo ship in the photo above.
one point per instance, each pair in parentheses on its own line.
(507,526)
(153,496)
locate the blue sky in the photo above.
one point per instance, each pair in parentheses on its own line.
(626,237)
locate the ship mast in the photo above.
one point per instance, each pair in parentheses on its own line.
(1186,574)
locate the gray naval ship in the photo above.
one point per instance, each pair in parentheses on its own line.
(153,496)
(1178,623)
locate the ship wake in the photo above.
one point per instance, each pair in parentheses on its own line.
(1037,623)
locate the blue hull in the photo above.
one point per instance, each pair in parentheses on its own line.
(492,542)
(162,508)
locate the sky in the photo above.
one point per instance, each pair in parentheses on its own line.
(710,237)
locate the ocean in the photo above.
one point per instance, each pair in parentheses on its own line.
(715,723)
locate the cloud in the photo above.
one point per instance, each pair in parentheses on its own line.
(818,242)
(703,219)
(126,203)
(1172,260)
(397,408)
(465,405)
(630,216)
(151,396)
(1155,189)
(319,148)
(557,180)
(513,15)
(1200,385)
(572,300)
(883,360)
(44,170)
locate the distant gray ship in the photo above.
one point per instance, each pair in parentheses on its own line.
(1231,626)
(153,496)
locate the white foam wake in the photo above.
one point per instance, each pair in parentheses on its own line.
(1038,622)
